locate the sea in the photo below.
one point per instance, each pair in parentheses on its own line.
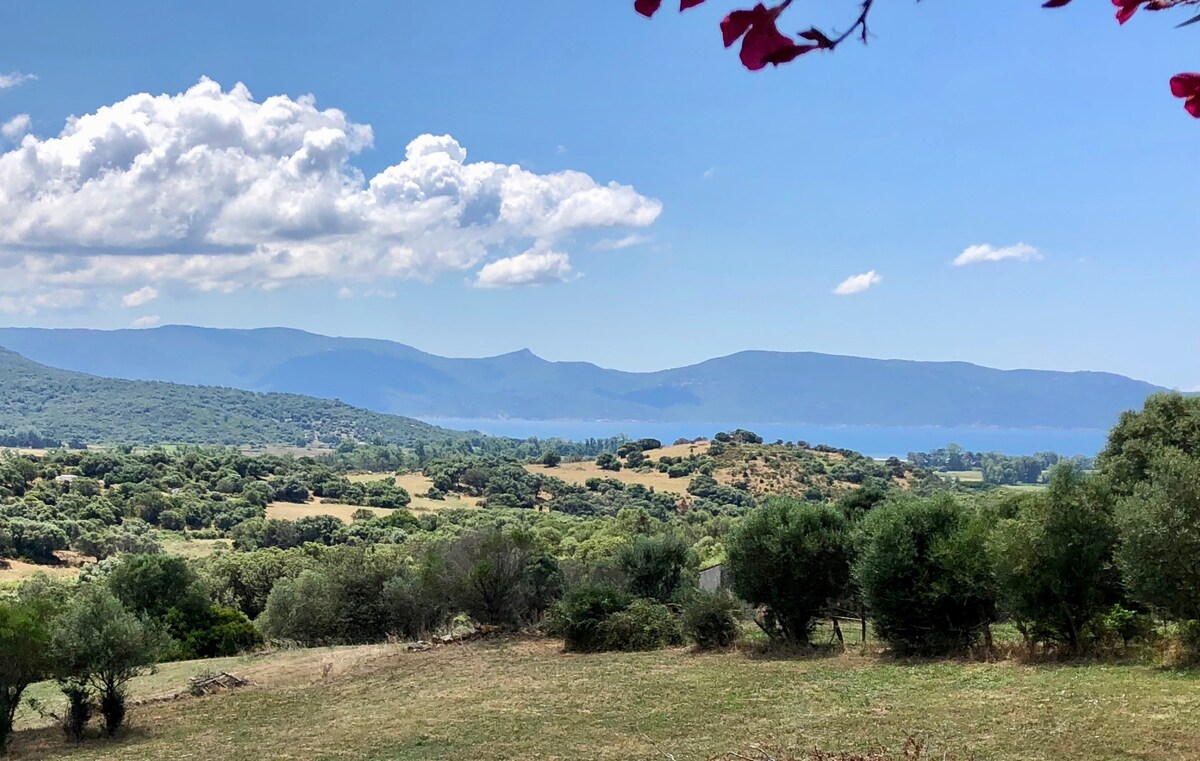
(874,441)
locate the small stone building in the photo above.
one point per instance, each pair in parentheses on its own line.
(714,578)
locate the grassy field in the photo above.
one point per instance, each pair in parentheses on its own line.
(523,699)
(579,472)
(290,511)
(416,485)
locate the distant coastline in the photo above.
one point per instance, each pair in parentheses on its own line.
(876,441)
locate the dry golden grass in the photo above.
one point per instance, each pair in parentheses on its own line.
(18,570)
(290,511)
(524,699)
(195,548)
(579,472)
(680,450)
(416,485)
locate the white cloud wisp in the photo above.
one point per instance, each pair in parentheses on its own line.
(983,252)
(858,283)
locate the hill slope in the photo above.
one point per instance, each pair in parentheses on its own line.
(750,387)
(65,405)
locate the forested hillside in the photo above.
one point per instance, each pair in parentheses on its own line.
(63,405)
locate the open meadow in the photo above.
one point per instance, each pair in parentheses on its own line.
(524,699)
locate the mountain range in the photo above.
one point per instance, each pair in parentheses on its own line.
(750,387)
(63,405)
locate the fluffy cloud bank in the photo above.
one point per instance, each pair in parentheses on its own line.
(858,283)
(212,190)
(1021,252)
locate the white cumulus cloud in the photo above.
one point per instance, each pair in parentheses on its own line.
(529,268)
(618,244)
(141,296)
(149,321)
(14,79)
(983,252)
(214,190)
(15,128)
(858,283)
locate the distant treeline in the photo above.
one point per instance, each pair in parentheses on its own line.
(998,468)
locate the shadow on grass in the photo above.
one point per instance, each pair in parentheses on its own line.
(52,742)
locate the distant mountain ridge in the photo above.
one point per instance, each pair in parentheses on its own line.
(751,386)
(65,405)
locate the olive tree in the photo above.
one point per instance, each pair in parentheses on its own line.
(1054,560)
(791,558)
(924,571)
(24,658)
(1159,553)
(98,646)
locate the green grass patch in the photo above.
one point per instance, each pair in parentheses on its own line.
(524,699)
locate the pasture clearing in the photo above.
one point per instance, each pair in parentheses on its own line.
(291,511)
(417,485)
(578,473)
(524,699)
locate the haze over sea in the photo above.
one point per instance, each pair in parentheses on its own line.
(875,441)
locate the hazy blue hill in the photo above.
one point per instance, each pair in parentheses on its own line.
(64,405)
(754,386)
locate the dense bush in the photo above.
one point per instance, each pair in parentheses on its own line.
(24,659)
(499,577)
(792,558)
(1160,538)
(644,625)
(580,616)
(924,570)
(1054,561)
(655,566)
(97,646)
(712,620)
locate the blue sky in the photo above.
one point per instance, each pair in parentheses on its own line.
(747,197)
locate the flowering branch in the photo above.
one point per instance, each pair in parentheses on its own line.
(763,43)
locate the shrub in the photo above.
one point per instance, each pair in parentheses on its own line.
(579,617)
(80,708)
(923,568)
(654,566)
(712,620)
(489,570)
(644,625)
(608,461)
(222,633)
(792,558)
(98,643)
(1158,532)
(24,659)
(1054,561)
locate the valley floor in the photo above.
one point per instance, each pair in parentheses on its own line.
(524,699)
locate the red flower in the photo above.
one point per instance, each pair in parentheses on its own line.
(1187,86)
(650,7)
(762,42)
(1126,8)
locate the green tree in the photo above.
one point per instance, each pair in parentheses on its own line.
(551,459)
(1160,537)
(608,461)
(100,645)
(24,658)
(791,557)
(655,566)
(1054,561)
(924,570)
(1166,423)
(490,569)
